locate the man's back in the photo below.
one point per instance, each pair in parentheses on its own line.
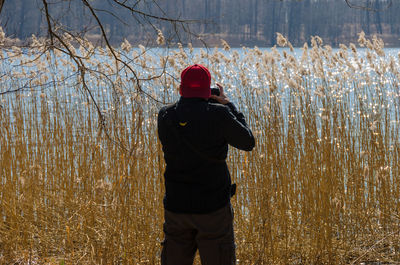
(195,135)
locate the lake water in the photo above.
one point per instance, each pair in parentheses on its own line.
(250,76)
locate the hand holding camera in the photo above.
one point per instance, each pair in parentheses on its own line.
(218,95)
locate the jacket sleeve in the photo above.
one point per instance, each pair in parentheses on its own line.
(235,129)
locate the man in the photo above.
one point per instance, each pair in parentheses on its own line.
(195,134)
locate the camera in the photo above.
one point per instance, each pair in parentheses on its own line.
(214,91)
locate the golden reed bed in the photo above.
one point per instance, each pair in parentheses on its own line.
(321,187)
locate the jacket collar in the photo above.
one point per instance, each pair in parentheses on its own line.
(185,101)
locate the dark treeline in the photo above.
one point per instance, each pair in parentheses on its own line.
(250,22)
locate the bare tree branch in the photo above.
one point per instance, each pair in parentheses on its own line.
(59,39)
(49,26)
(152,16)
(117,59)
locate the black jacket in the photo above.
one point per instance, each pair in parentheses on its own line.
(195,135)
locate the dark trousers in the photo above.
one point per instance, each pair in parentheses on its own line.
(211,233)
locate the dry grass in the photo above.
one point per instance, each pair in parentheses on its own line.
(321,187)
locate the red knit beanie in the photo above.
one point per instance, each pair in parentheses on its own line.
(195,82)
